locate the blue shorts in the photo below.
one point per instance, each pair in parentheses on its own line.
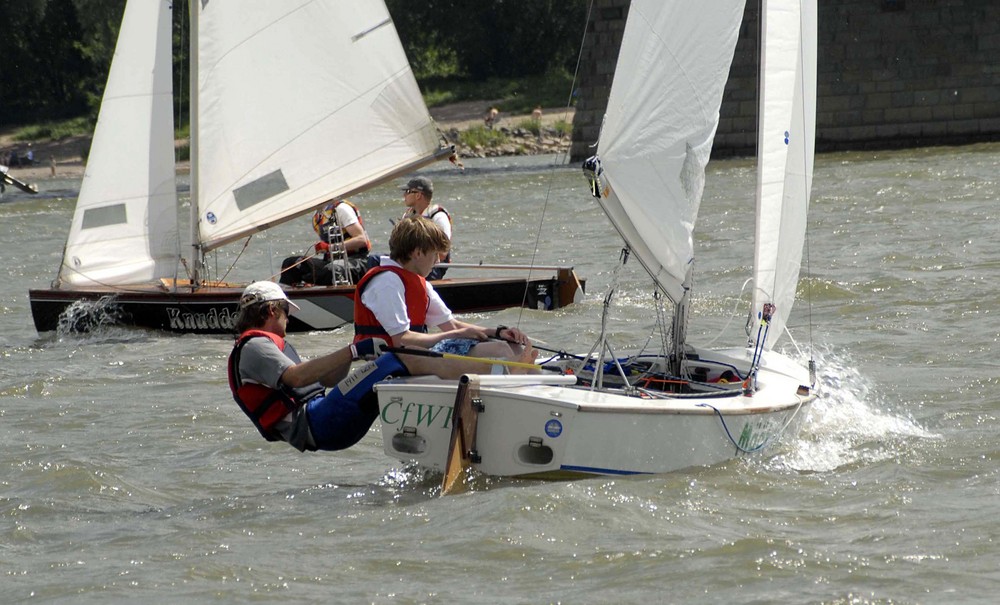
(344,416)
(455,346)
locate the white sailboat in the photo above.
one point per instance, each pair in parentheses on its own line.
(686,405)
(294,103)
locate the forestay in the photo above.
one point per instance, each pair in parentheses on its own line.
(124,229)
(786,134)
(299,102)
(661,119)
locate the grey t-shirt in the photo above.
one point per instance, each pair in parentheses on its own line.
(262,362)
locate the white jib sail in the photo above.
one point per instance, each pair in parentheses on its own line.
(786,136)
(300,101)
(124,229)
(661,119)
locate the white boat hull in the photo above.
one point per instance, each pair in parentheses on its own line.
(527,428)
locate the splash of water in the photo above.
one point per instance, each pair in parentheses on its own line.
(89,316)
(848,423)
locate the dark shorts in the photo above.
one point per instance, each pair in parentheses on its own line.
(344,416)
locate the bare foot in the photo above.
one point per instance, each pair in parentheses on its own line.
(526,356)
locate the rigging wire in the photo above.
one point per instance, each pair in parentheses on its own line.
(548,191)
(736,310)
(808,268)
(235,260)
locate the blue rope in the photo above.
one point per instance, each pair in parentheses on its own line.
(722,419)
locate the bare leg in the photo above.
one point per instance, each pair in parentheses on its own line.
(419,365)
(526,355)
(497,349)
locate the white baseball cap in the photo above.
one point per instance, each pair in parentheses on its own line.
(263,291)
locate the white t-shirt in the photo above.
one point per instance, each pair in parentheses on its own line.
(346,216)
(385,297)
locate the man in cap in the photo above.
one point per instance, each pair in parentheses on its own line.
(286,397)
(417,197)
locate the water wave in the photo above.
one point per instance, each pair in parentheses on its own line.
(849,423)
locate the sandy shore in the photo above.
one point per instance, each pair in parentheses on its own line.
(64,158)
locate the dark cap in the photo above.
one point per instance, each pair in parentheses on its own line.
(420,183)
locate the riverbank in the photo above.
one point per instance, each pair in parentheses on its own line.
(458,123)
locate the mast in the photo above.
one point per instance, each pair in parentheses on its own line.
(194,258)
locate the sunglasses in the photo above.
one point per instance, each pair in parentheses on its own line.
(409,191)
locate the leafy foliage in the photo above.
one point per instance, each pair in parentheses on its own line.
(55,54)
(54,130)
(489,38)
(482,137)
(512,95)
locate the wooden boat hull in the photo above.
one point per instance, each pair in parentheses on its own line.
(557,431)
(213,309)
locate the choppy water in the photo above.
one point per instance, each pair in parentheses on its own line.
(128,474)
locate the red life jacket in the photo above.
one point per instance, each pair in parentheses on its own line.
(265,406)
(366,325)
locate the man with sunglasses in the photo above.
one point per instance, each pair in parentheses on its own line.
(286,398)
(417,197)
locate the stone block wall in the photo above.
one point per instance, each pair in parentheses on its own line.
(597,68)
(891,73)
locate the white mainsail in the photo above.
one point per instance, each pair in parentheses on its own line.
(124,229)
(299,102)
(661,119)
(786,136)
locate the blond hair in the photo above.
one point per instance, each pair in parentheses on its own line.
(413,234)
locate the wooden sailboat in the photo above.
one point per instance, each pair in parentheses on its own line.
(685,405)
(294,103)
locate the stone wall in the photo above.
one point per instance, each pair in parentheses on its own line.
(890,74)
(597,68)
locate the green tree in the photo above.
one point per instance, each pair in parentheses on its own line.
(62,65)
(18,93)
(100,21)
(490,38)
(182,67)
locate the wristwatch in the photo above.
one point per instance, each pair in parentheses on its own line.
(499,329)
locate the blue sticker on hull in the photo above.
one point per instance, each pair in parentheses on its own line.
(553,428)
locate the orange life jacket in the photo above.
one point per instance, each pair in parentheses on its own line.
(262,404)
(366,325)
